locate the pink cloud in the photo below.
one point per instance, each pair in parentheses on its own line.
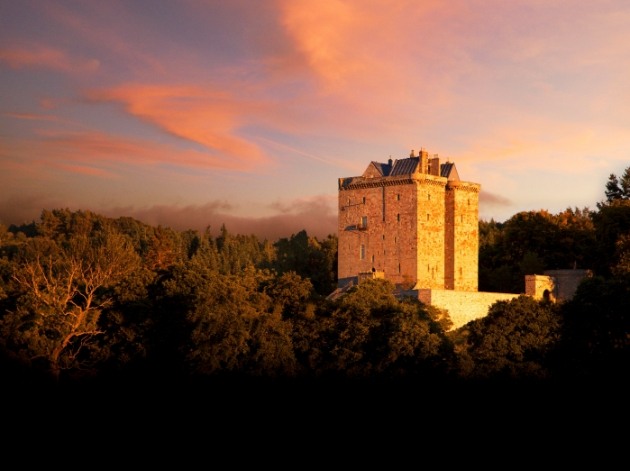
(205,116)
(46,57)
(105,155)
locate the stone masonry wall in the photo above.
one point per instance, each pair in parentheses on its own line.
(462,306)
(462,243)
(430,236)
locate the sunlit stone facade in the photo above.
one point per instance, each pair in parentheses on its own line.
(411,221)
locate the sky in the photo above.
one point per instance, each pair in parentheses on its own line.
(194,114)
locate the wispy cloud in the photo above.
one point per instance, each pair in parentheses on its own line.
(45,57)
(211,118)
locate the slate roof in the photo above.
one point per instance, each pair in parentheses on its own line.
(449,171)
(409,166)
(405,166)
(385,169)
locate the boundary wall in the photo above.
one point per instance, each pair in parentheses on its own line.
(462,306)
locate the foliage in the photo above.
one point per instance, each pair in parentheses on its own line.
(618,188)
(84,294)
(514,340)
(62,282)
(595,338)
(309,258)
(370,333)
(531,242)
(612,230)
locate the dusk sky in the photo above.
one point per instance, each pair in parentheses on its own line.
(195,113)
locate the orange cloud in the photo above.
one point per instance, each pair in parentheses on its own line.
(208,117)
(46,57)
(85,170)
(101,154)
(105,150)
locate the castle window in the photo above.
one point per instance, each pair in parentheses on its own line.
(428,196)
(383,236)
(398,217)
(372,259)
(399,268)
(398,197)
(428,268)
(362,252)
(428,216)
(363,224)
(364,200)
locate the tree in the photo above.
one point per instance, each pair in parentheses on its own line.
(618,189)
(514,340)
(370,334)
(612,227)
(63,288)
(236,332)
(595,342)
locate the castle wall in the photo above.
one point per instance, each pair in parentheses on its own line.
(418,228)
(540,287)
(394,225)
(555,285)
(430,213)
(461,259)
(462,306)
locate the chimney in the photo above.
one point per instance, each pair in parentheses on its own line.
(424,161)
(434,165)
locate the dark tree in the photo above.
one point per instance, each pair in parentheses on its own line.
(595,343)
(514,341)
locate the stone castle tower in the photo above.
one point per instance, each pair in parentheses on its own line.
(411,221)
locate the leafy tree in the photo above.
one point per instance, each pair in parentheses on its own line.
(514,341)
(235,330)
(310,259)
(289,292)
(612,227)
(371,334)
(618,188)
(595,342)
(531,242)
(63,287)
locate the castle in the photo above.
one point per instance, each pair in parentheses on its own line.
(414,222)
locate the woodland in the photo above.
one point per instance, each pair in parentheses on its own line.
(87,300)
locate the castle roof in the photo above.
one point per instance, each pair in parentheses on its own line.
(405,166)
(408,166)
(449,171)
(383,169)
